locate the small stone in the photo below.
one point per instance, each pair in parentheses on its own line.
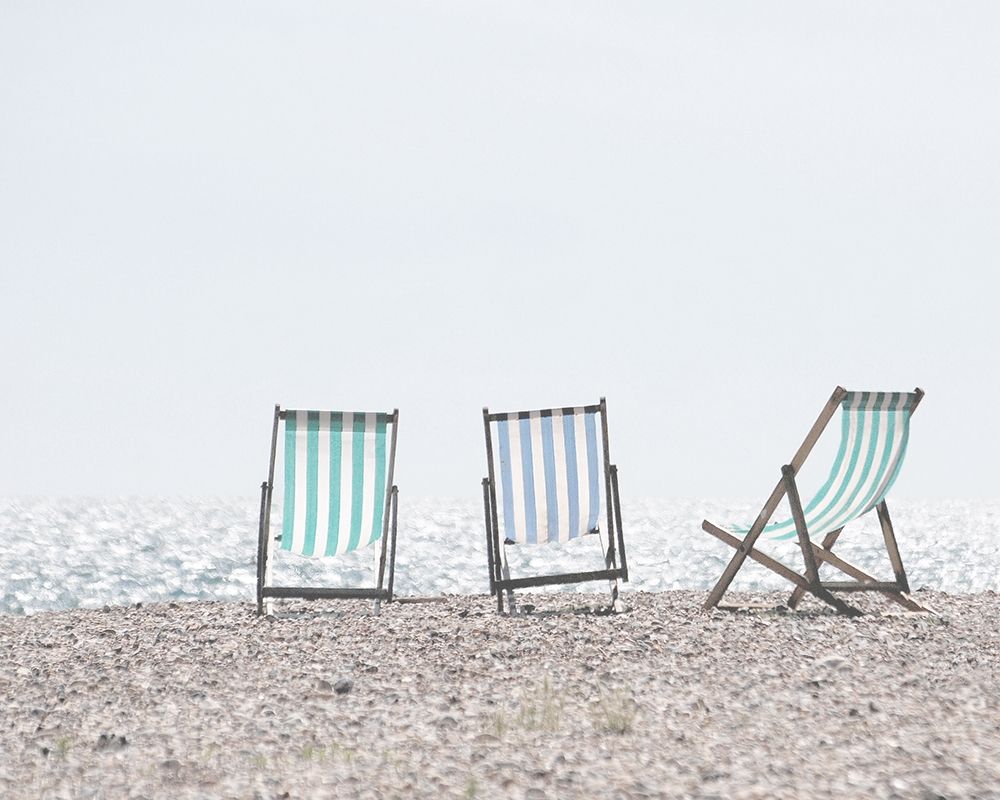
(109,741)
(343,686)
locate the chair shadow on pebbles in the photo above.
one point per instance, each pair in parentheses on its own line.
(554,609)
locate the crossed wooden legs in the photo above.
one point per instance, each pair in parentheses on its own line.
(898,591)
(814,555)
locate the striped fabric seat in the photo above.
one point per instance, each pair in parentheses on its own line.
(335,481)
(875,427)
(550,469)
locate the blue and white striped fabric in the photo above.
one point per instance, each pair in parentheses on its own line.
(875,427)
(335,481)
(550,473)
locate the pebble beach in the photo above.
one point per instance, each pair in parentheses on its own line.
(450,699)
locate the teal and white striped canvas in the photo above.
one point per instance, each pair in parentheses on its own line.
(875,428)
(335,481)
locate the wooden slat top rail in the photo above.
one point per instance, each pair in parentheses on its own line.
(495,416)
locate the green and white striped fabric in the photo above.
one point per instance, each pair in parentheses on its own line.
(335,481)
(875,427)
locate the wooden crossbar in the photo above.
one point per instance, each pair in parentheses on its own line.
(325,593)
(756,555)
(552,580)
(860,586)
(495,416)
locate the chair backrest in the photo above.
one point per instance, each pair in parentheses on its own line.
(337,480)
(550,465)
(875,429)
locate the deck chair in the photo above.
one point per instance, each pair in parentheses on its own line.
(550,465)
(338,496)
(875,429)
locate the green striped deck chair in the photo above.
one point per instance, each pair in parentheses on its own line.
(544,484)
(337,496)
(875,430)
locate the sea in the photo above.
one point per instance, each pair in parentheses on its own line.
(64,553)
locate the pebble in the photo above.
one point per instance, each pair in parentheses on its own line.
(110,742)
(206,699)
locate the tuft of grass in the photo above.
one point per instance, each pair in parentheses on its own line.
(470,789)
(209,752)
(339,752)
(63,744)
(333,752)
(311,752)
(499,723)
(615,713)
(260,761)
(541,708)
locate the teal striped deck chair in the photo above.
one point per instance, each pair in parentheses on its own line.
(546,471)
(875,431)
(337,496)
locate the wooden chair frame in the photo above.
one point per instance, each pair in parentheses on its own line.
(814,555)
(616,565)
(381,592)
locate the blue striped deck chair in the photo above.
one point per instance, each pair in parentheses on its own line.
(337,496)
(875,430)
(546,471)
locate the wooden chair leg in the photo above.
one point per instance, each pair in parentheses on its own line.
(828,541)
(743,548)
(607,545)
(261,549)
(505,572)
(489,536)
(392,546)
(812,570)
(889,535)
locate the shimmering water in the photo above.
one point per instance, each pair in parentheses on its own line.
(79,552)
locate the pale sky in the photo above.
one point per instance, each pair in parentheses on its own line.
(711,213)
